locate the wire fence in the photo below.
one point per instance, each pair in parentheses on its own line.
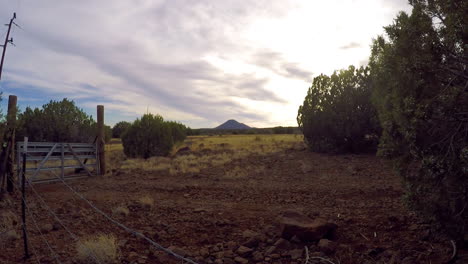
(90,252)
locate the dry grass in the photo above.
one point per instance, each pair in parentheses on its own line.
(8,220)
(146,201)
(102,247)
(213,151)
(121,210)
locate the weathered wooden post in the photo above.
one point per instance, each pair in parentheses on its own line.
(7,154)
(11,126)
(101,140)
(23,202)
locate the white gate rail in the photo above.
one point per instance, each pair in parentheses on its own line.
(54,157)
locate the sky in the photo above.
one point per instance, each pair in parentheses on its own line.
(197,62)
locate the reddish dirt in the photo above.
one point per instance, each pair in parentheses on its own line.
(206,211)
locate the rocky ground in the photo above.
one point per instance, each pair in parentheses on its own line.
(341,209)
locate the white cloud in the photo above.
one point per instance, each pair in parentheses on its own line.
(200,62)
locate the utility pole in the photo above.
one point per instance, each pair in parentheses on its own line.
(7,41)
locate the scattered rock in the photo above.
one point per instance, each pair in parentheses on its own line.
(326,246)
(305,167)
(241,260)
(249,234)
(244,251)
(199,210)
(47,228)
(282,244)
(296,224)
(257,256)
(228,261)
(10,236)
(180,251)
(231,245)
(296,253)
(204,252)
(252,242)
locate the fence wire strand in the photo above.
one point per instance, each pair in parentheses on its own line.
(135,233)
(51,212)
(38,229)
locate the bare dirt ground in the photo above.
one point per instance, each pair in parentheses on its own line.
(207,215)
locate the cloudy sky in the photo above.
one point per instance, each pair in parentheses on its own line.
(199,62)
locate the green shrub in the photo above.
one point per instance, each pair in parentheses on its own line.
(151,136)
(57,121)
(119,129)
(420,78)
(337,115)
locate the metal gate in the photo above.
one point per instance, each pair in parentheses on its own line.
(48,161)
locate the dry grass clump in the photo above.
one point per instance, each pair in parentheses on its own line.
(236,173)
(158,164)
(214,151)
(98,249)
(185,164)
(121,210)
(146,201)
(8,221)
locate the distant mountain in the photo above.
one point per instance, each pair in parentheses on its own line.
(232,124)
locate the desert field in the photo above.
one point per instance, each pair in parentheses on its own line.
(224,199)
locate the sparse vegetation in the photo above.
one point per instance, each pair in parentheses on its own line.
(146,201)
(420,78)
(120,211)
(337,115)
(98,249)
(152,136)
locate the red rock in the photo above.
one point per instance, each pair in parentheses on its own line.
(306,229)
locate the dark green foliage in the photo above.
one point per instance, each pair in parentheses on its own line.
(120,128)
(56,122)
(283,130)
(178,131)
(152,136)
(337,115)
(420,78)
(107,133)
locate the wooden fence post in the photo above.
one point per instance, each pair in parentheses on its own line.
(8,147)
(101,140)
(11,126)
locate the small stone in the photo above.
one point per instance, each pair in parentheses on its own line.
(296,224)
(47,228)
(218,261)
(257,256)
(179,251)
(244,251)
(229,253)
(249,234)
(252,242)
(231,245)
(296,253)
(204,252)
(228,261)
(326,246)
(282,244)
(241,260)
(11,236)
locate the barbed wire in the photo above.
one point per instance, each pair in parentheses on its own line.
(51,212)
(37,228)
(135,233)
